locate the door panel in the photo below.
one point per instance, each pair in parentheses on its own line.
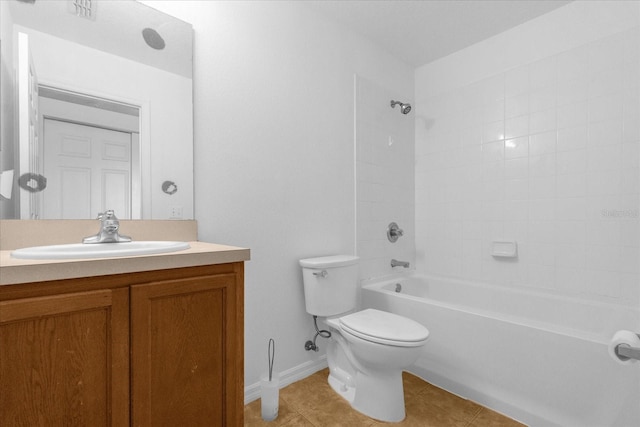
(88,171)
(182,332)
(64,360)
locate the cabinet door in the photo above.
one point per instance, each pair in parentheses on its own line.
(64,360)
(185,365)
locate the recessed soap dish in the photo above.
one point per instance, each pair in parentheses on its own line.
(504,248)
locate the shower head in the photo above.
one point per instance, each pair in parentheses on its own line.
(404,108)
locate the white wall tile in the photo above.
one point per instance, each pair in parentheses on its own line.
(542,166)
(517,105)
(516,168)
(516,127)
(573,65)
(572,91)
(603,232)
(630,232)
(516,147)
(542,143)
(630,73)
(573,114)
(603,257)
(571,209)
(542,209)
(492,151)
(570,232)
(604,158)
(556,162)
(572,138)
(516,189)
(571,185)
(543,73)
(543,230)
(605,108)
(570,256)
(542,187)
(570,280)
(493,131)
(571,162)
(542,99)
(493,111)
(542,121)
(541,276)
(517,81)
(605,133)
(387,175)
(603,183)
(630,181)
(603,283)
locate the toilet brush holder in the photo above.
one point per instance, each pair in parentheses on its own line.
(269,396)
(270,387)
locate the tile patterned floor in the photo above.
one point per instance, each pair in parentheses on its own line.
(311,403)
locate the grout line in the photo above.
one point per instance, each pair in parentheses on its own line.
(477,414)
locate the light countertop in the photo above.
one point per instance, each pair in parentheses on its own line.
(15,271)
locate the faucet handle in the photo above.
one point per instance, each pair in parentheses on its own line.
(394,232)
(108,214)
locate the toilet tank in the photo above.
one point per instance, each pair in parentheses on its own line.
(330,284)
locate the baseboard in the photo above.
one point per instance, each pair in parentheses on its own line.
(252,391)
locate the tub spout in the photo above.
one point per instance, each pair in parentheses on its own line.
(396,263)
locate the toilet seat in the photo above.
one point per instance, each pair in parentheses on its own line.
(384,328)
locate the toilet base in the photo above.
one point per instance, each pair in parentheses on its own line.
(380,397)
(347,392)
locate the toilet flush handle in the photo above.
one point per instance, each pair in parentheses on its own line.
(322,273)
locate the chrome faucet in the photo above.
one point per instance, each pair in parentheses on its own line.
(108,230)
(396,263)
(394,232)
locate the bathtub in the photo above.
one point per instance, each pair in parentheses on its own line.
(537,358)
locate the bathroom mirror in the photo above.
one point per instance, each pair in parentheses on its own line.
(115,66)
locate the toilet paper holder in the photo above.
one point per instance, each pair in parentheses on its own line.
(625,351)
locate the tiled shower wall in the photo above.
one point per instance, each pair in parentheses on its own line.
(384,179)
(545,154)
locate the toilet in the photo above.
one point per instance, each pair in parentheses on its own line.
(368,349)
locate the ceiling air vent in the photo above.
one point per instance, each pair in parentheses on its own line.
(83,8)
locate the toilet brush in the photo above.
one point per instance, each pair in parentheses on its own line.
(269,387)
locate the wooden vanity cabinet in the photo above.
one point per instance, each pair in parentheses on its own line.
(64,359)
(159,348)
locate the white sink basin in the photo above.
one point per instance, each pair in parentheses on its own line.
(99,250)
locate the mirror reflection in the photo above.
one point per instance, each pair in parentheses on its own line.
(104,113)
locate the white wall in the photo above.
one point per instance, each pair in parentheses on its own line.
(8,207)
(165,97)
(533,135)
(274,151)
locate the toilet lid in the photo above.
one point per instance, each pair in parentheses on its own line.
(384,328)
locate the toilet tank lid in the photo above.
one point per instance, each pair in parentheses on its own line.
(329,261)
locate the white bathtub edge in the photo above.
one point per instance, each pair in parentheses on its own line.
(481,397)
